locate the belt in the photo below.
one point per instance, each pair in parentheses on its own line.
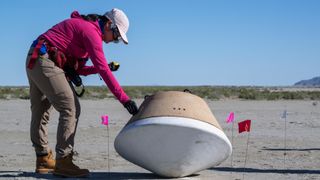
(42,47)
(39,49)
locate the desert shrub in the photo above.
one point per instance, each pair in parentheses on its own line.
(23,94)
(273,96)
(94,92)
(208,92)
(14,93)
(249,94)
(314,95)
(292,95)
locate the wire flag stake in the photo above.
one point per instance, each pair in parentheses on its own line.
(245,126)
(105,121)
(230,118)
(284,116)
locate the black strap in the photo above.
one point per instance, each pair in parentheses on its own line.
(82,91)
(74,89)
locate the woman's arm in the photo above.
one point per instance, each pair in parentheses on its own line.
(93,44)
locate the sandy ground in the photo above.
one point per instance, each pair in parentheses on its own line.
(265,158)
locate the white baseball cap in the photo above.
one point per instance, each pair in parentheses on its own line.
(119,18)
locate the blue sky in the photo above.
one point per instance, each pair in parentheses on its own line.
(182,42)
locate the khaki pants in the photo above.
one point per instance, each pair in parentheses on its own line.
(50,88)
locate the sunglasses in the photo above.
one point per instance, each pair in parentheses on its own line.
(116,34)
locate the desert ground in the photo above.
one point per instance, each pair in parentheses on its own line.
(265,155)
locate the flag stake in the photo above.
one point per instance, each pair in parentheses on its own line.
(285,140)
(284,116)
(245,160)
(232,143)
(245,126)
(105,121)
(230,118)
(108,150)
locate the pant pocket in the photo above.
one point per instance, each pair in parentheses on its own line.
(48,67)
(59,84)
(54,81)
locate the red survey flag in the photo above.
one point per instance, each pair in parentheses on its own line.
(244,126)
(230,117)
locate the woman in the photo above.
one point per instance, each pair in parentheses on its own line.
(68,45)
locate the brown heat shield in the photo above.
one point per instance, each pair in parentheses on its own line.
(175,104)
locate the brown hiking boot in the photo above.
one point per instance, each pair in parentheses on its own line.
(45,164)
(65,168)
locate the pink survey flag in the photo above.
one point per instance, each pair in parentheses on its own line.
(230,117)
(105,120)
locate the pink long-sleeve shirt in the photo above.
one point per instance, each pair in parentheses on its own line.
(79,38)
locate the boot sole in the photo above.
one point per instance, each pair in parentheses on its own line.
(44,171)
(70,176)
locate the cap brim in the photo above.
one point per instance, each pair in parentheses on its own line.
(123,36)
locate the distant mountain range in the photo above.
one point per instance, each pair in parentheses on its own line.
(310,82)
